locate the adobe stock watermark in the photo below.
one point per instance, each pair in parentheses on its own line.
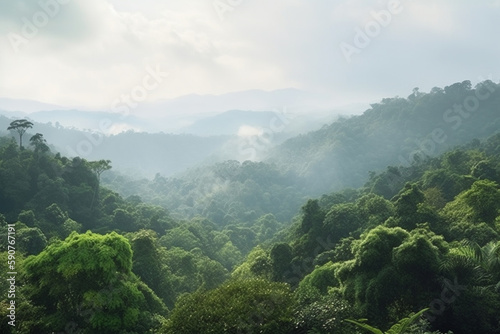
(253,144)
(454,117)
(87,310)
(31,26)
(122,105)
(372,29)
(449,294)
(221,7)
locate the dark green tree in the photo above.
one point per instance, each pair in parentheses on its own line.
(312,217)
(98,167)
(39,143)
(20,125)
(281,257)
(147,264)
(388,261)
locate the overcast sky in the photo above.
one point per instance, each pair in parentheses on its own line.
(87,53)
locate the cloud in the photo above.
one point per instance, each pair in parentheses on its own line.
(91,52)
(249,131)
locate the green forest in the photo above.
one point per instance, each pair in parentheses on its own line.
(387,222)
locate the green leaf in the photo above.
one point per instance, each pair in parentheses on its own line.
(365,326)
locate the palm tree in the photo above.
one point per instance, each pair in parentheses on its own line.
(484,262)
(398,328)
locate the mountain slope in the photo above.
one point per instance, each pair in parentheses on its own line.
(230,122)
(394,131)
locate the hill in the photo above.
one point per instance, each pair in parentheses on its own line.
(343,154)
(394,131)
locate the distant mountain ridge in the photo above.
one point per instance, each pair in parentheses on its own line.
(136,153)
(397,131)
(26,106)
(177,115)
(230,122)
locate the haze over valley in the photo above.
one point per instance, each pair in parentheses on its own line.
(285,167)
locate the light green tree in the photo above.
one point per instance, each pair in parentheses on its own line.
(86,280)
(241,306)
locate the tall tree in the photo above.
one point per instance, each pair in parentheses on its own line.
(39,143)
(98,167)
(20,125)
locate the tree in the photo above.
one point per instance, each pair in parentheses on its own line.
(472,214)
(246,306)
(387,261)
(39,143)
(31,240)
(480,265)
(20,125)
(312,216)
(324,315)
(98,167)
(341,220)
(147,264)
(281,257)
(86,280)
(484,199)
(477,275)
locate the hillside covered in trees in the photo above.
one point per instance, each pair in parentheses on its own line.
(254,247)
(395,131)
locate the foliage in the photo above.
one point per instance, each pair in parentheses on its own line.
(324,315)
(399,328)
(239,306)
(20,126)
(239,230)
(87,280)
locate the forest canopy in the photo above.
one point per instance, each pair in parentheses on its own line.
(244,247)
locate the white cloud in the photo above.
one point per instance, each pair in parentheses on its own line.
(249,131)
(93,51)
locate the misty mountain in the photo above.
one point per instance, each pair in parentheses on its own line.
(257,100)
(135,153)
(104,122)
(183,114)
(246,122)
(231,123)
(345,153)
(23,106)
(396,131)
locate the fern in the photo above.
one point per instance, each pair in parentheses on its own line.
(399,328)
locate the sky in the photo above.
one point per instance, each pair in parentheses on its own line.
(88,53)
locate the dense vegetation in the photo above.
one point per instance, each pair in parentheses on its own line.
(396,131)
(153,152)
(422,235)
